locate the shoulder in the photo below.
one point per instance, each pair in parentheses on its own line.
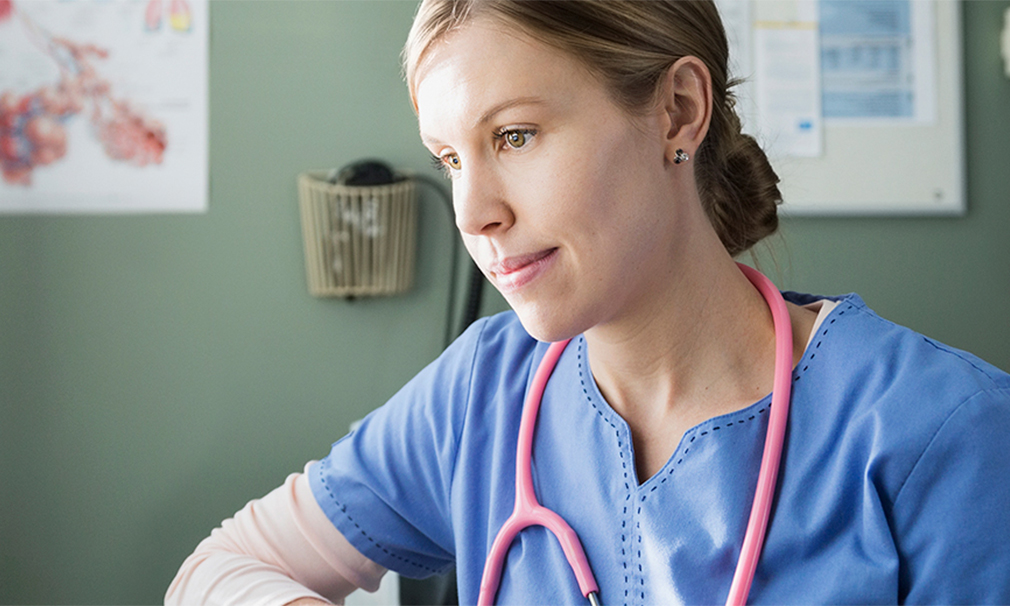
(388,485)
(492,345)
(489,355)
(904,437)
(882,393)
(499,357)
(499,335)
(490,342)
(890,361)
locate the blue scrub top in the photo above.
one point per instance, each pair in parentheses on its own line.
(895,485)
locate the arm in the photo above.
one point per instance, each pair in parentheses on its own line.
(951,516)
(276,550)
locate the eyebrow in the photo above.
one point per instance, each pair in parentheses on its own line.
(491,113)
(497,109)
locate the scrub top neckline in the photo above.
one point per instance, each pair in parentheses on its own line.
(610,415)
(754,411)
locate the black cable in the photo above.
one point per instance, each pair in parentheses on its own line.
(441,589)
(475,287)
(454,263)
(475,293)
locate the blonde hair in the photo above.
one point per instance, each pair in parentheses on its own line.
(629,46)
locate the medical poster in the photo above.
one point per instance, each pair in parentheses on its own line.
(775,57)
(787,78)
(807,63)
(877,59)
(103,106)
(882,79)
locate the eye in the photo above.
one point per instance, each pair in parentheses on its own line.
(446,163)
(516,137)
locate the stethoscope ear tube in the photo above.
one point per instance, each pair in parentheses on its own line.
(778,417)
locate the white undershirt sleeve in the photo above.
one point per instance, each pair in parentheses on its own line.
(275,550)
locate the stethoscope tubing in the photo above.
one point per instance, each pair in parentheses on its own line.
(528,511)
(778,418)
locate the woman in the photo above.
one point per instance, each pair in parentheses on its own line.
(602,184)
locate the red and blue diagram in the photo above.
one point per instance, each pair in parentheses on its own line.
(33,124)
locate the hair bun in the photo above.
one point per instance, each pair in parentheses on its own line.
(741,195)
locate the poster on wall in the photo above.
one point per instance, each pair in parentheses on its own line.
(103,106)
(878,62)
(844,96)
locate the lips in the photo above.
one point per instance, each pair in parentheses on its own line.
(512,273)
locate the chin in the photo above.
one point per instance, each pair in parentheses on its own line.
(548,326)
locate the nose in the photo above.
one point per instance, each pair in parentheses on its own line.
(480,203)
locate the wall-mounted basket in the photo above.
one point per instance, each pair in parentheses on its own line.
(359,240)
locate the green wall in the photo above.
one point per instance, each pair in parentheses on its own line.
(156,372)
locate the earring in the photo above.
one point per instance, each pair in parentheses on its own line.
(680,156)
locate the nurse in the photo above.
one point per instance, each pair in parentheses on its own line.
(601,182)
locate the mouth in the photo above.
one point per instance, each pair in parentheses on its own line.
(513,273)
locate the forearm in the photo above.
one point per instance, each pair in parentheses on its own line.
(276,550)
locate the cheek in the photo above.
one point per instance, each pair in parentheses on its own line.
(604,194)
(608,165)
(471,244)
(626,212)
(479,250)
(571,187)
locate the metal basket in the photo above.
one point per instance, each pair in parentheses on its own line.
(359,241)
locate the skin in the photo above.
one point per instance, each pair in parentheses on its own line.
(584,223)
(576,212)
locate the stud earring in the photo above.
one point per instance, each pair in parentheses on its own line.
(680,156)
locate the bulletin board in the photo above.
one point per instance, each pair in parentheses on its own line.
(887,167)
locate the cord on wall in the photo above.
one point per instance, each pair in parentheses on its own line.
(475,287)
(1005,42)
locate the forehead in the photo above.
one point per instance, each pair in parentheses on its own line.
(487,66)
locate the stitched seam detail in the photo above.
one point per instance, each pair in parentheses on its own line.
(641,573)
(957,355)
(380,546)
(933,438)
(625,546)
(935,344)
(811,353)
(457,435)
(674,466)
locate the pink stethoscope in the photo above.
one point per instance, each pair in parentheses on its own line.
(529,512)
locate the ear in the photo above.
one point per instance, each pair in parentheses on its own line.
(687,104)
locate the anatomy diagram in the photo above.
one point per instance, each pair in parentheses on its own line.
(33,125)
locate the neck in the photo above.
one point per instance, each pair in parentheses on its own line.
(708,335)
(701,347)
